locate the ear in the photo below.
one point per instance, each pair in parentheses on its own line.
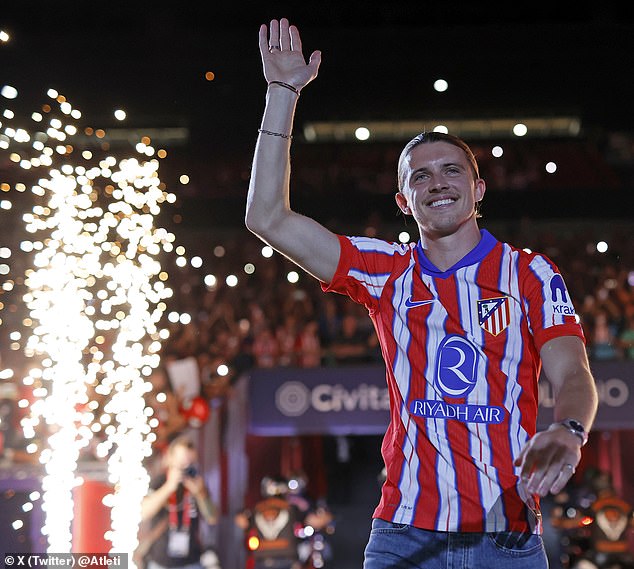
(480,189)
(401,202)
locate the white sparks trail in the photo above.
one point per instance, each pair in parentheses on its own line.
(95,295)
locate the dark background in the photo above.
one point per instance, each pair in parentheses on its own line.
(379,62)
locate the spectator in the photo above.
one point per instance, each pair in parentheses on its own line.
(603,338)
(309,345)
(352,344)
(266,349)
(626,338)
(176,505)
(287,335)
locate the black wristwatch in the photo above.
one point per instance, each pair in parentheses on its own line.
(576,428)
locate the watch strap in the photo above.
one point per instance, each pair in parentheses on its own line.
(576,428)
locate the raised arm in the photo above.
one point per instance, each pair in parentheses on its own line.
(268,212)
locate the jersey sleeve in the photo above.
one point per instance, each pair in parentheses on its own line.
(365,265)
(548,303)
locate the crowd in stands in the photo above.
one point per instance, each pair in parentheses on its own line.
(267,321)
(510,165)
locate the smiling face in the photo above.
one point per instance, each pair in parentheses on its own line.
(440,189)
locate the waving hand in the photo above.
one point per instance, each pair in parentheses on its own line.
(282,58)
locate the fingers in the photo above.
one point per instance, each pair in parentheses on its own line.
(520,458)
(194,485)
(281,35)
(526,460)
(295,39)
(314,62)
(546,464)
(174,476)
(269,41)
(553,480)
(274,38)
(284,35)
(542,482)
(566,474)
(544,474)
(263,39)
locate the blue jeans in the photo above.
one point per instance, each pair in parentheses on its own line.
(400,546)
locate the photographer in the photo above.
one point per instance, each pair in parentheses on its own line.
(178,498)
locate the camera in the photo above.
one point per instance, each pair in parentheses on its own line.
(190,471)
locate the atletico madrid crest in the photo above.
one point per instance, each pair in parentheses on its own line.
(494,314)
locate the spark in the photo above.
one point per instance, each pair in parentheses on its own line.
(95,294)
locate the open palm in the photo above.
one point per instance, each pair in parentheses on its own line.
(282,57)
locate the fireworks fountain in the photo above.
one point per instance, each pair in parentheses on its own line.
(95,296)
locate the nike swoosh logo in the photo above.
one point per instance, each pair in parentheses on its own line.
(409,303)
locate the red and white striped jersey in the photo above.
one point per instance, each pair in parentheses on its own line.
(461,349)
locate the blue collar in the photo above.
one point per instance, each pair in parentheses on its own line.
(481,250)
